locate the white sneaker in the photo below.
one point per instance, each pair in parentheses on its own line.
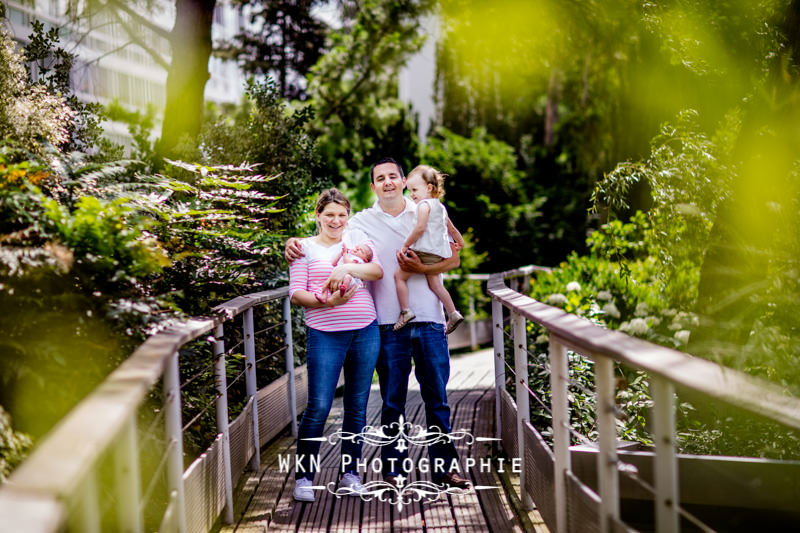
(351,481)
(303,491)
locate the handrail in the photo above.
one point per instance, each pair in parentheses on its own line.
(667,368)
(58,469)
(716,381)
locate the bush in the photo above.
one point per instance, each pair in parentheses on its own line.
(28,112)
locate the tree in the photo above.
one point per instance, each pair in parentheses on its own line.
(353,91)
(283,40)
(750,270)
(187,68)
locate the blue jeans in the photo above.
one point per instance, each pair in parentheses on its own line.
(426,343)
(327,352)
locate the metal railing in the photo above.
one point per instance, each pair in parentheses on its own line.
(63,484)
(57,487)
(547,473)
(479,331)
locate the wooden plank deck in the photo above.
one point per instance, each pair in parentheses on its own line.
(264,499)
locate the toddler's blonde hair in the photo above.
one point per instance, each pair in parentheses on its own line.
(431,176)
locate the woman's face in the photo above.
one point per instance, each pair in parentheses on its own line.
(332,220)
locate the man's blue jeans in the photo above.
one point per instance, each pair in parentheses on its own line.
(327,352)
(426,344)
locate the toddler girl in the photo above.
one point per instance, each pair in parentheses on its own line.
(429,241)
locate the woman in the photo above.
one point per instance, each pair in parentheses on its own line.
(342,332)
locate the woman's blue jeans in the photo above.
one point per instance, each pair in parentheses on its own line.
(327,352)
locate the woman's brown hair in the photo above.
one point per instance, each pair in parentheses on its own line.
(331,196)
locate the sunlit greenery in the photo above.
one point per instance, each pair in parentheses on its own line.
(646,150)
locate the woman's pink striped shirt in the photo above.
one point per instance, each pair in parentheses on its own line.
(311,271)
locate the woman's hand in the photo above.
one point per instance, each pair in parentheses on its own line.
(337,298)
(336,277)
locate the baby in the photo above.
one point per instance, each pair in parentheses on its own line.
(360,254)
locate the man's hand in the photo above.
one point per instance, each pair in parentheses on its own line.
(410,262)
(293,250)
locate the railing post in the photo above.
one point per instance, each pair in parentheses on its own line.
(523,402)
(666,463)
(499,364)
(87,515)
(126,470)
(172,418)
(608,479)
(252,387)
(559,374)
(222,418)
(472,334)
(287,336)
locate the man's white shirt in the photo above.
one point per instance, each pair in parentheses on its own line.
(388,233)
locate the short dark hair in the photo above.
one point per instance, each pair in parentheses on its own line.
(381,162)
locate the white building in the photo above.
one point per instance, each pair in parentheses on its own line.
(109,66)
(417,78)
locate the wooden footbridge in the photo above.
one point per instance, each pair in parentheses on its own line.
(117,461)
(264,501)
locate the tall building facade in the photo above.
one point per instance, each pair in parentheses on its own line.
(109,66)
(417,78)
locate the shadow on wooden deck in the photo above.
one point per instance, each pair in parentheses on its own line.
(263,501)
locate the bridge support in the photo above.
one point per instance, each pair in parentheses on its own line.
(499,364)
(666,463)
(252,386)
(222,419)
(559,374)
(608,479)
(126,477)
(287,338)
(523,402)
(87,514)
(172,405)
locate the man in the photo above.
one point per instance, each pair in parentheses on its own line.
(388,222)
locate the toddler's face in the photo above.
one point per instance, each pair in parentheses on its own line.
(418,189)
(363,252)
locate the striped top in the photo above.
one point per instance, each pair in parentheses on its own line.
(311,271)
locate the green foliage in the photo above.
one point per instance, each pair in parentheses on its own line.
(283,39)
(556,81)
(483,180)
(50,65)
(140,128)
(13,445)
(267,132)
(643,277)
(464,291)
(353,90)
(687,176)
(617,285)
(212,223)
(28,112)
(71,271)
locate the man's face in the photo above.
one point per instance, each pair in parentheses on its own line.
(387,184)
